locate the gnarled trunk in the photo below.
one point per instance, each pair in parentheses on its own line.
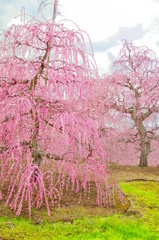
(145,150)
(145,145)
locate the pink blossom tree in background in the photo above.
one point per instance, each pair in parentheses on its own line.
(133,99)
(48,135)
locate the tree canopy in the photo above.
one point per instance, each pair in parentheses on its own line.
(133,96)
(49,138)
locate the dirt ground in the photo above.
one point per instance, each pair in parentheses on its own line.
(124,173)
(88,206)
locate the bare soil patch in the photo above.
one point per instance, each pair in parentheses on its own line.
(70,208)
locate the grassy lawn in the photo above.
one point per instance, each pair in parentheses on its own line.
(140,221)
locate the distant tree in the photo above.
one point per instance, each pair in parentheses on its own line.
(133,98)
(48,136)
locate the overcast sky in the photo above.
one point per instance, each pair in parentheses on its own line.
(106,21)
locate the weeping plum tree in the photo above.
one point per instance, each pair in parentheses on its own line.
(133,96)
(48,137)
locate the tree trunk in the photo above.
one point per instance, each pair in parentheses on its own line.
(145,146)
(145,150)
(35,154)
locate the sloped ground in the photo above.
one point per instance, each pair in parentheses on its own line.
(137,219)
(69,206)
(124,173)
(88,206)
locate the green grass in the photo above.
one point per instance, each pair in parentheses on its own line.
(140,222)
(144,198)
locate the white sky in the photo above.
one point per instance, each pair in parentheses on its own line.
(106,21)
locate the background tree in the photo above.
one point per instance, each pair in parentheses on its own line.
(133,95)
(48,138)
